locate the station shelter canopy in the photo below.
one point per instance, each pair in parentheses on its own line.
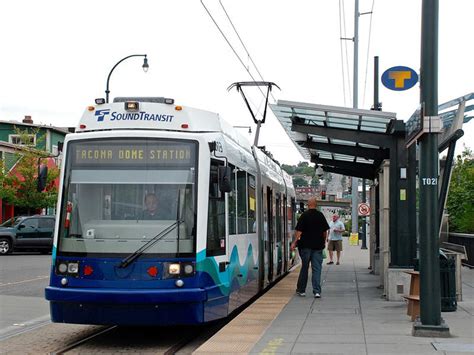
(342,140)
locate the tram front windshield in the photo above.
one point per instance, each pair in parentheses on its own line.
(121,193)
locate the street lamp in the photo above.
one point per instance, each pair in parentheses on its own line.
(145,67)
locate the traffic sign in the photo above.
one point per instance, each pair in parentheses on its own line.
(364,209)
(399,78)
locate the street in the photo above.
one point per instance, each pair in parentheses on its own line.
(23,277)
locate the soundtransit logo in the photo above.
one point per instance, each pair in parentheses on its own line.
(100,114)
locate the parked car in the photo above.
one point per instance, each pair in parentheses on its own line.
(27,233)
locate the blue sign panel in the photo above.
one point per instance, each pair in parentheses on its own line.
(399,78)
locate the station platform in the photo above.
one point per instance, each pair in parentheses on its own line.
(351,317)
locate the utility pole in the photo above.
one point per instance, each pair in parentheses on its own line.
(430,322)
(355,181)
(376,108)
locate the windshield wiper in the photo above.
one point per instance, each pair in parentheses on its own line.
(136,254)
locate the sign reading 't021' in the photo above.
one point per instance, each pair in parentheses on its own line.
(364,209)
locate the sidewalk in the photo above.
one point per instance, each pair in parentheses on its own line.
(350,318)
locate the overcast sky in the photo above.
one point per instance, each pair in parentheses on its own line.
(57,55)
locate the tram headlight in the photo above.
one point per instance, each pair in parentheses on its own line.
(174,269)
(188,269)
(73,268)
(178,269)
(68,268)
(62,268)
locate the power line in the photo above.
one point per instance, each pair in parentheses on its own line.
(345,44)
(342,56)
(368,49)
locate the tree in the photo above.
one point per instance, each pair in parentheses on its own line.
(290,169)
(298,181)
(460,202)
(315,181)
(327,177)
(19,188)
(344,182)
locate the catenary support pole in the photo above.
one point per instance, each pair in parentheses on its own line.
(430,294)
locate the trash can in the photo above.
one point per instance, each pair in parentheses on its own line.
(447,272)
(447,276)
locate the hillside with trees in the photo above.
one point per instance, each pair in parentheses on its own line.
(304,175)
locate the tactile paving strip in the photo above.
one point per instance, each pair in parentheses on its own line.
(241,334)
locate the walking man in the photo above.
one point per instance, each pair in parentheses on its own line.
(335,239)
(310,235)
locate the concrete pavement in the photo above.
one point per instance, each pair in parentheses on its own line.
(350,318)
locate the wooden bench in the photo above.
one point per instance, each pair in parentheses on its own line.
(413,298)
(413,306)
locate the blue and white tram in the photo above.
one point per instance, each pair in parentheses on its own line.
(217,234)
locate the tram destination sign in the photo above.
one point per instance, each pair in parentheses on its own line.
(106,154)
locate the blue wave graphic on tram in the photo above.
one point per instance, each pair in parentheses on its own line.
(229,280)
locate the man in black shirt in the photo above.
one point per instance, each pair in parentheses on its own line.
(151,211)
(311,234)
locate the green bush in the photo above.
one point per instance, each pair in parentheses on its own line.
(460,202)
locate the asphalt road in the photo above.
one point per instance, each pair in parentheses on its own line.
(23,277)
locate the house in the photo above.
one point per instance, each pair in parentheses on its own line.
(39,136)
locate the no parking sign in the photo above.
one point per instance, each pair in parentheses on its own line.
(364,209)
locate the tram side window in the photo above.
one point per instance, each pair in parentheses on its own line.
(251,204)
(232,200)
(291,215)
(278,218)
(241,202)
(216,215)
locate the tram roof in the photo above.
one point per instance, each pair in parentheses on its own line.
(340,139)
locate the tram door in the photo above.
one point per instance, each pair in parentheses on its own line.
(279,235)
(271,234)
(288,211)
(217,241)
(285,249)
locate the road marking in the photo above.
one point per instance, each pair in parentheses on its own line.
(21,282)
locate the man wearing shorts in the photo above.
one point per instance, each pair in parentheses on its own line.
(336,227)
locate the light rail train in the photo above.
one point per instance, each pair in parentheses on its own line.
(166,215)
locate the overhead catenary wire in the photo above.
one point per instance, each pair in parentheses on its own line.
(238,56)
(232,47)
(245,48)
